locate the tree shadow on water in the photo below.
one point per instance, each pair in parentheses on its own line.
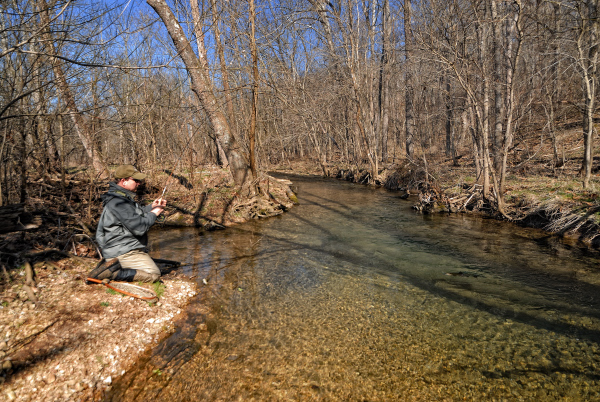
(175,351)
(566,303)
(579,305)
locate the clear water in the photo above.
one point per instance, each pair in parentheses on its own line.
(352,296)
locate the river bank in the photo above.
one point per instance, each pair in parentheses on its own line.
(61,339)
(539,196)
(76,338)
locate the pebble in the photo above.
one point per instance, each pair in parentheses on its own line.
(3,345)
(6,365)
(11,395)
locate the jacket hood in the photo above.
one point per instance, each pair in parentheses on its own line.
(114,190)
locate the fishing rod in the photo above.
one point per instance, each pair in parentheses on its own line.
(189,141)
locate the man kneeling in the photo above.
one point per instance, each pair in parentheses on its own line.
(123,230)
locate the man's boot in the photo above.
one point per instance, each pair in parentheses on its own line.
(124,275)
(105,270)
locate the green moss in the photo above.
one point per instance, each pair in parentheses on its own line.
(159,288)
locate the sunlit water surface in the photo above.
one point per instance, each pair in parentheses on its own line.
(353,296)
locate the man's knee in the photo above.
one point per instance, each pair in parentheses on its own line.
(147,270)
(143,276)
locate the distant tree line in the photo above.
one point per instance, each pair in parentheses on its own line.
(251,84)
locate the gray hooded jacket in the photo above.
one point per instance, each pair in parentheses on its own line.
(124,224)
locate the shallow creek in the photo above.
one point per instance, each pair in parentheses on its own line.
(353,296)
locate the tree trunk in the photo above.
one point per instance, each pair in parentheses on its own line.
(450,148)
(79,123)
(385,81)
(587,45)
(252,131)
(484,115)
(499,109)
(409,94)
(513,24)
(202,87)
(223,65)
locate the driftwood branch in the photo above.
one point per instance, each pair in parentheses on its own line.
(6,275)
(469,200)
(43,254)
(29,275)
(86,236)
(30,293)
(30,285)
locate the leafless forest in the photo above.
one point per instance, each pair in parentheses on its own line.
(255,84)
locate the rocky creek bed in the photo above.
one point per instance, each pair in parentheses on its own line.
(77,338)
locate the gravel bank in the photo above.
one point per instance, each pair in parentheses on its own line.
(77,338)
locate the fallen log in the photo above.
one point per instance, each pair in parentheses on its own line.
(9,218)
(11,211)
(18,225)
(86,230)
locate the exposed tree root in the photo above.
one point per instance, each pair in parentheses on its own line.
(575,221)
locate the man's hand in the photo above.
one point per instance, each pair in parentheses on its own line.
(159,202)
(158,206)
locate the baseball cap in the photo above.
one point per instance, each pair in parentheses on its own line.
(125,171)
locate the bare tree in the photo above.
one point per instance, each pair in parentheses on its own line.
(255,78)
(203,88)
(409,126)
(587,45)
(80,125)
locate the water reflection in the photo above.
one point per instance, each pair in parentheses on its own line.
(352,296)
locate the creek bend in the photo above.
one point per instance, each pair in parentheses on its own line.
(353,296)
